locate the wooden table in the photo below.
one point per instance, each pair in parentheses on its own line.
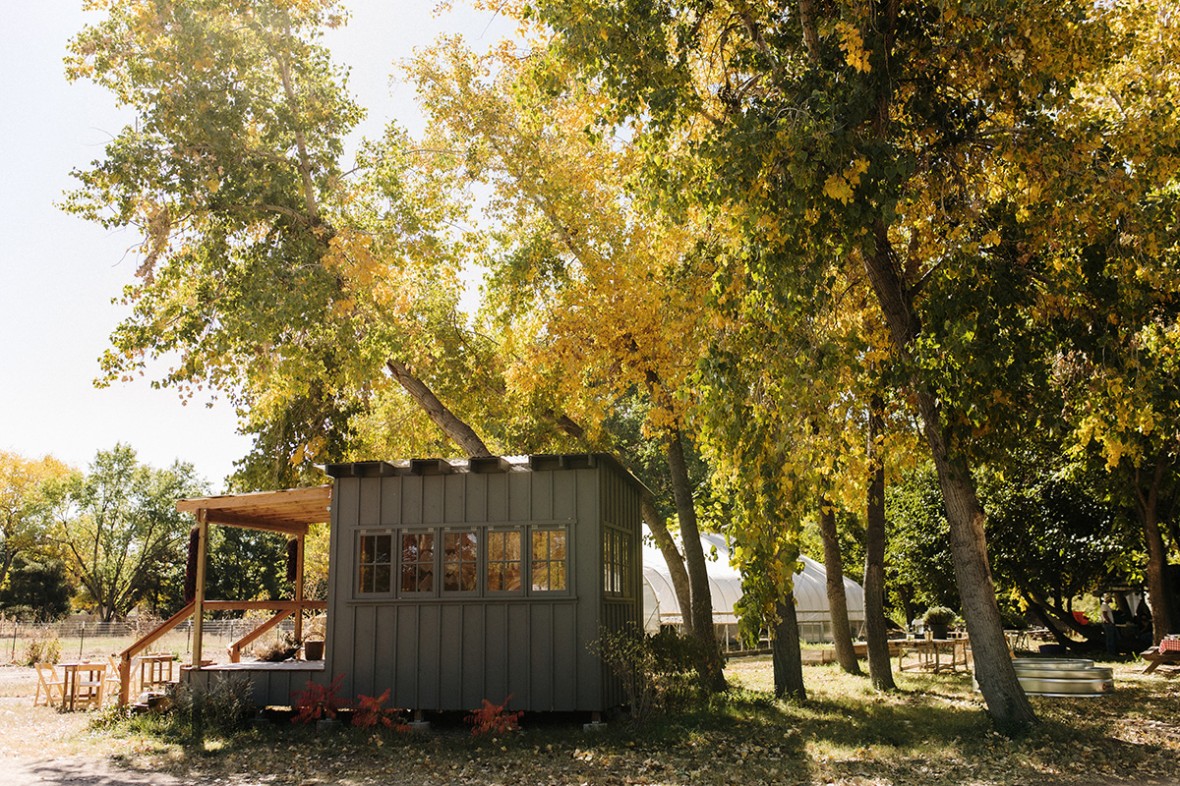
(73,683)
(935,655)
(154,670)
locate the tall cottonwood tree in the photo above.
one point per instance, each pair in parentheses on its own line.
(586,288)
(269,273)
(884,137)
(1115,308)
(798,378)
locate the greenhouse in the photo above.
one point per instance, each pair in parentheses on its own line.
(660,606)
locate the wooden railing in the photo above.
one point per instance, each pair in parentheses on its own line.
(235,649)
(285,608)
(126,656)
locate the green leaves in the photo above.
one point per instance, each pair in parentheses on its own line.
(119,528)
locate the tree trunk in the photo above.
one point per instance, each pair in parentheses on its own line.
(672,556)
(1006,702)
(837,599)
(711,668)
(461,433)
(876,631)
(311,203)
(1161,601)
(787,660)
(7,556)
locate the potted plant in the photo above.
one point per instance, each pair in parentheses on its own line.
(937,620)
(313,642)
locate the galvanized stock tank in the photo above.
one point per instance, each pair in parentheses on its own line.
(1063,677)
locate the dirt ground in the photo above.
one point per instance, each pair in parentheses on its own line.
(40,745)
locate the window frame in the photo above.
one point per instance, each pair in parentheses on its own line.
(435,583)
(618,555)
(357,587)
(521,561)
(441,549)
(534,530)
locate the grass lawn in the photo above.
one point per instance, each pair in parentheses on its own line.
(933,731)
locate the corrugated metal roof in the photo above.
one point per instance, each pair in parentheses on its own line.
(481,464)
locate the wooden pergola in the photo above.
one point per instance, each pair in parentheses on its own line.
(289,512)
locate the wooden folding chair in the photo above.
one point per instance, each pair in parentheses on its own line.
(89,688)
(112,683)
(49,682)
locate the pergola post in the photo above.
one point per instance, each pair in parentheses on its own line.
(299,546)
(199,595)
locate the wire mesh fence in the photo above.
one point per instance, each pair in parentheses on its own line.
(25,642)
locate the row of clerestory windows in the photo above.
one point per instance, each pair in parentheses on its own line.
(494,560)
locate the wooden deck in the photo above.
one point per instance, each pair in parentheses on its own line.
(273,682)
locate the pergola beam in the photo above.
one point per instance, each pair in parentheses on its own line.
(245,521)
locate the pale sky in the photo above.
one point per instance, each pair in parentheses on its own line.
(58,274)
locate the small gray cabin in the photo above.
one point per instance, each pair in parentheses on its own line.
(452,581)
(455,581)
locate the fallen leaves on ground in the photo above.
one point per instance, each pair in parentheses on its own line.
(933,732)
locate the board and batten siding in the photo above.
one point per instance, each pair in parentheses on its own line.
(450,651)
(275,685)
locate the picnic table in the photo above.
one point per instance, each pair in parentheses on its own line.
(1166,654)
(935,655)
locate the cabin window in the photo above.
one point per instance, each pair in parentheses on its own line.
(548,560)
(417,562)
(460,559)
(616,563)
(376,564)
(505,561)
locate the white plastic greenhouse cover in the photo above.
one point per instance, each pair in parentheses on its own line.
(725,583)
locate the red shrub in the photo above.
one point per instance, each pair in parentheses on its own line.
(494,718)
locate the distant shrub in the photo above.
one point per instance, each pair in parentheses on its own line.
(42,651)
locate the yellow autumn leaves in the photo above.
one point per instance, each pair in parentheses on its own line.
(841,185)
(852,44)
